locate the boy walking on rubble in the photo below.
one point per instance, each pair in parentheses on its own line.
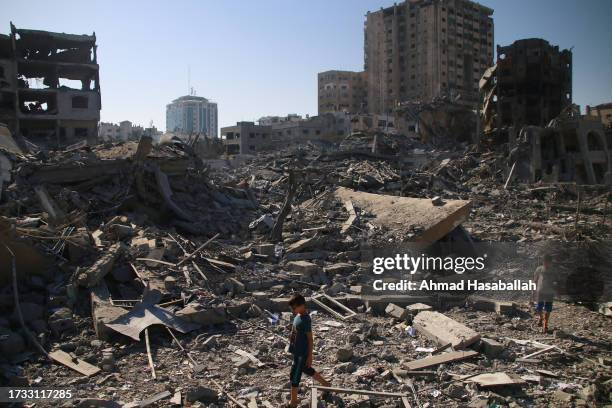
(544,278)
(300,345)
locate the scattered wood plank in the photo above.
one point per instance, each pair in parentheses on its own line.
(228,395)
(149,356)
(406,402)
(510,175)
(314,400)
(250,356)
(542,351)
(76,364)
(547,373)
(440,359)
(197,251)
(348,204)
(159,261)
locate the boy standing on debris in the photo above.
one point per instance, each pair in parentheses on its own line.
(544,278)
(300,345)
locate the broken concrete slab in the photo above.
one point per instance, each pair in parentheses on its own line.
(265,249)
(339,268)
(303,244)
(405,215)
(490,347)
(56,215)
(304,268)
(92,276)
(194,312)
(444,330)
(491,305)
(306,256)
(439,359)
(496,379)
(396,312)
(418,307)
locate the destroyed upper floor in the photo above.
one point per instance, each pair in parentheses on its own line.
(49,86)
(45,59)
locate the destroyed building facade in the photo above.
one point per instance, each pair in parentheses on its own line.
(421,49)
(192,114)
(123,131)
(534,82)
(604,113)
(274,133)
(50,87)
(246,138)
(342,91)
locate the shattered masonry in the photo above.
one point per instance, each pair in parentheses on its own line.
(49,87)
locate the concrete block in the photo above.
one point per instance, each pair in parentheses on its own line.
(396,312)
(238,309)
(265,249)
(103,314)
(339,268)
(418,307)
(492,305)
(304,267)
(205,316)
(444,330)
(490,347)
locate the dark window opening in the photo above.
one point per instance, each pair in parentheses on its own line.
(80,102)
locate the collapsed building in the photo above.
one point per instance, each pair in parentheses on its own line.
(534,83)
(527,103)
(49,87)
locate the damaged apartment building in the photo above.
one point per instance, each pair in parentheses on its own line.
(423,60)
(423,49)
(274,133)
(49,87)
(527,102)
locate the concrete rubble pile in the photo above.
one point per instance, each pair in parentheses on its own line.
(146,277)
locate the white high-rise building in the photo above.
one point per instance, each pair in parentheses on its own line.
(192,114)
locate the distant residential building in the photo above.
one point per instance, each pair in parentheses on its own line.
(192,114)
(422,49)
(534,83)
(271,120)
(342,91)
(249,138)
(603,112)
(119,132)
(246,138)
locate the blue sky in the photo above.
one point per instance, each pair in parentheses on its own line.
(261,57)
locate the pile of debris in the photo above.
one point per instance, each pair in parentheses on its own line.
(152,278)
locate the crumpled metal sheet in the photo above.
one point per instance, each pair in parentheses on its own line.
(146,313)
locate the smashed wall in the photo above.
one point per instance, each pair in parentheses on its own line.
(49,87)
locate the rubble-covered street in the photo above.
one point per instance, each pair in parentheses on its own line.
(428,226)
(148,277)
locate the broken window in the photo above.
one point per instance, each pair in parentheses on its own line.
(80,102)
(80,132)
(38,103)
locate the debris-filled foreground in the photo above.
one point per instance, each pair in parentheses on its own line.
(137,275)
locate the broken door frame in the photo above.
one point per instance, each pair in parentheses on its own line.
(349,312)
